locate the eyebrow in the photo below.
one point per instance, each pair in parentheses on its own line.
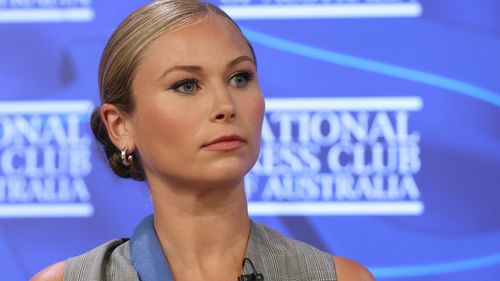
(197,68)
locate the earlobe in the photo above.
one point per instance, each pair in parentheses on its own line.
(118,127)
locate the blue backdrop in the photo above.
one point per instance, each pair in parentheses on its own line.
(381,136)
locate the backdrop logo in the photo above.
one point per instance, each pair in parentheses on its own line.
(44,158)
(21,11)
(337,156)
(286,9)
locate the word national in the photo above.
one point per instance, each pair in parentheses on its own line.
(355,151)
(44,156)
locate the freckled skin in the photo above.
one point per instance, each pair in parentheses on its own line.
(200,207)
(169,127)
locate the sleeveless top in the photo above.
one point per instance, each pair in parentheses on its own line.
(277,257)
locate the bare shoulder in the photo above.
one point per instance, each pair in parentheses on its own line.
(349,270)
(54,272)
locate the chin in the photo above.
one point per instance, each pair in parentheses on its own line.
(227,173)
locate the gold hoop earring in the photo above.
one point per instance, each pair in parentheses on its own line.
(126,159)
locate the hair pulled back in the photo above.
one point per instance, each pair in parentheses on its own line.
(122,55)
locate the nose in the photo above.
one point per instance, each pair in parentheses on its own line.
(223,107)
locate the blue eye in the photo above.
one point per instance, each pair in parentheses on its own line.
(241,79)
(187,86)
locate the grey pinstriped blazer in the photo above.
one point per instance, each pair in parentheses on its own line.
(279,259)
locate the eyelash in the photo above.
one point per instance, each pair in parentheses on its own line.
(248,75)
(183,82)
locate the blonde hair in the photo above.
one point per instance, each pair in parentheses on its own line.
(122,55)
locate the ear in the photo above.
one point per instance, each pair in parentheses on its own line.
(118,126)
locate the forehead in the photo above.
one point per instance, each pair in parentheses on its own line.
(209,40)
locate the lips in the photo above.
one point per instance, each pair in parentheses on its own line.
(224,143)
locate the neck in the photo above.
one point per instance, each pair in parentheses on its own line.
(203,232)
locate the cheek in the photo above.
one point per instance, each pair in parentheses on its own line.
(257,113)
(161,132)
(256,117)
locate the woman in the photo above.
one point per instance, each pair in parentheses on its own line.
(183,110)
